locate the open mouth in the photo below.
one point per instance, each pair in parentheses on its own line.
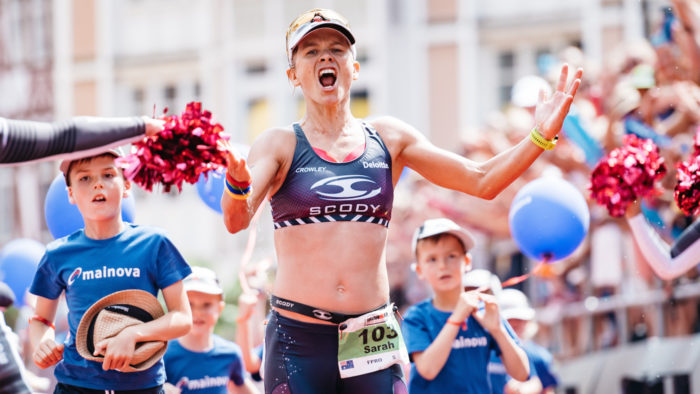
(99,198)
(327,77)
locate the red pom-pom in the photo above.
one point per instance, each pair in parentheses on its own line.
(187,147)
(687,191)
(626,173)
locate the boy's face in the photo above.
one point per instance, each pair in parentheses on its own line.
(97,188)
(518,326)
(442,263)
(206,309)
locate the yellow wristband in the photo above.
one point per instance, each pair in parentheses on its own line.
(239,196)
(540,141)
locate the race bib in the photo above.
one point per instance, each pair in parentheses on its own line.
(369,343)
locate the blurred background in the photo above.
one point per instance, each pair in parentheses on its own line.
(464,72)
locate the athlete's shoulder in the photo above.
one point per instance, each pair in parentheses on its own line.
(394,131)
(276,136)
(386,123)
(278,141)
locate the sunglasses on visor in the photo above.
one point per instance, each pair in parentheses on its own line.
(315,15)
(309,21)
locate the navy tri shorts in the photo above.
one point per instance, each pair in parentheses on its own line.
(302,358)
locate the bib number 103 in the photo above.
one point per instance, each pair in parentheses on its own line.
(377,334)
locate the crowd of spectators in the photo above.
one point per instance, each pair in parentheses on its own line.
(648,88)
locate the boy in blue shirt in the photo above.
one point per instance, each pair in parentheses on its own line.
(201,362)
(105,257)
(449,337)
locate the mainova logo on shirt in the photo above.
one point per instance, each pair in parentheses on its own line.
(104,273)
(462,342)
(202,383)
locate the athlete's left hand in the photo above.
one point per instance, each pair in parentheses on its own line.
(551,111)
(118,350)
(490,318)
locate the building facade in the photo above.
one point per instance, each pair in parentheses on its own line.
(441,65)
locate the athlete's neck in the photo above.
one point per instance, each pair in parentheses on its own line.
(446,301)
(328,120)
(104,229)
(197,342)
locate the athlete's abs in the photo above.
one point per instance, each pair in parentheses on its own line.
(339,266)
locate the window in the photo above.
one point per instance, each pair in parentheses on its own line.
(256,68)
(170,94)
(506,76)
(359,103)
(7,202)
(137,100)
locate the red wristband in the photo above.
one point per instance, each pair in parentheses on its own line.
(463,324)
(236,183)
(454,323)
(42,320)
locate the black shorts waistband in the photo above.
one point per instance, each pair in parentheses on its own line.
(310,311)
(63,388)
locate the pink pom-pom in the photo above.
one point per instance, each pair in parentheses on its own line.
(626,173)
(187,147)
(687,191)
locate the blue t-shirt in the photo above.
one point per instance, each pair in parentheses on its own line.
(204,372)
(89,269)
(540,365)
(498,375)
(465,368)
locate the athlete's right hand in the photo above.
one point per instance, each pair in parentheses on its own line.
(237,167)
(48,353)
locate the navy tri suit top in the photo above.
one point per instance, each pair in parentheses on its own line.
(317,191)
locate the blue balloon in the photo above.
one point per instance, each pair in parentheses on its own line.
(548,219)
(210,188)
(18,262)
(210,185)
(63,218)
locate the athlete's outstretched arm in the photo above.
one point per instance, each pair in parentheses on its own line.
(485,179)
(667,262)
(26,141)
(261,168)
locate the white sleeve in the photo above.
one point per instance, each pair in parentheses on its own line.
(657,252)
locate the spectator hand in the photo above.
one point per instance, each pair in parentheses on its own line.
(170,389)
(491,318)
(466,305)
(551,111)
(246,303)
(48,353)
(634,209)
(153,126)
